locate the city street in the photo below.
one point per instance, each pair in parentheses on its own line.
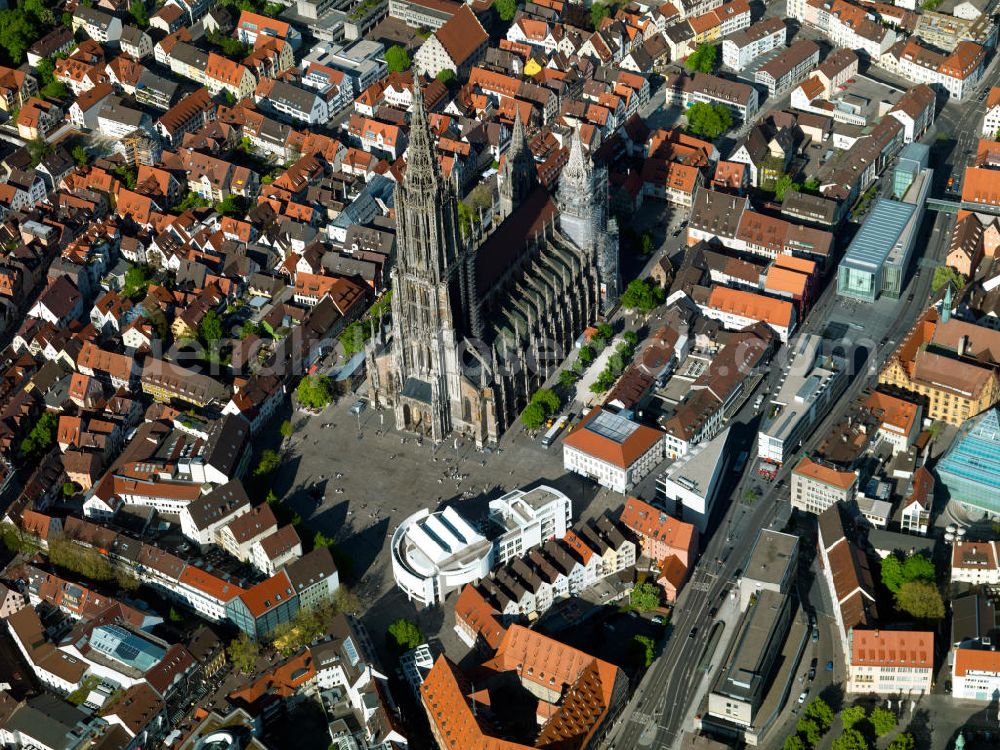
(670,688)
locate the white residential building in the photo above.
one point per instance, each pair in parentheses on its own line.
(528,519)
(991,119)
(975,563)
(816,487)
(975,674)
(891,662)
(745,46)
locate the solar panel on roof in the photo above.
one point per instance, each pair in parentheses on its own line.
(612,426)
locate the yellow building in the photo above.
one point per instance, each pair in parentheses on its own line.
(951,363)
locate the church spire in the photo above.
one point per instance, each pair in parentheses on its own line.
(519,174)
(426,203)
(422,171)
(578,166)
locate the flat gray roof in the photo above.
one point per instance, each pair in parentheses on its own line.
(745,677)
(772,555)
(878,235)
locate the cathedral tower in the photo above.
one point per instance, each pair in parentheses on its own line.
(518,176)
(428,287)
(583,217)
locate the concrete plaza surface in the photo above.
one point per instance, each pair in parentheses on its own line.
(357,487)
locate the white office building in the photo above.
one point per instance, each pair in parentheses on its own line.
(690,486)
(811,385)
(526,519)
(436,553)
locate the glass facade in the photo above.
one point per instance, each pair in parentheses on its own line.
(856,282)
(971,469)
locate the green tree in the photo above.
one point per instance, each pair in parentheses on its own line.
(68,489)
(918,568)
(315,391)
(17,32)
(243,653)
(45,71)
(631,338)
(645,596)
(882,720)
(852,715)
(641,295)
(567,378)
(138,11)
(783,185)
(702,60)
(354,337)
(80,156)
(903,741)
(644,649)
(175,616)
(598,12)
(892,572)
(709,120)
(136,282)
(403,635)
(947,275)
(286,428)
(506,9)
(809,731)
(231,205)
(851,739)
(920,599)
(605,331)
(397,58)
(447,77)
(16,540)
(269,461)
(811,186)
(38,11)
(210,328)
(548,400)
(586,355)
(41,437)
(533,416)
(794,742)
(38,148)
(819,711)
(646,244)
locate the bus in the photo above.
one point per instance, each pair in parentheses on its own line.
(553,431)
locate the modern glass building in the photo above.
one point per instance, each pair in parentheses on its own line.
(878,256)
(971,468)
(861,270)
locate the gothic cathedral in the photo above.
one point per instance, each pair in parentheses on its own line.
(479,322)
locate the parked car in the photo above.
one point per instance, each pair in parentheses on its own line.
(657,620)
(815,635)
(694,632)
(812,673)
(802,696)
(829,666)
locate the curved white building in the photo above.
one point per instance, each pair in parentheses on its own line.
(436,553)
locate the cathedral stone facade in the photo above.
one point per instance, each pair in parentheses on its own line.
(479,322)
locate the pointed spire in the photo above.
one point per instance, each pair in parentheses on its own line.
(577,164)
(421,166)
(946,305)
(518,139)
